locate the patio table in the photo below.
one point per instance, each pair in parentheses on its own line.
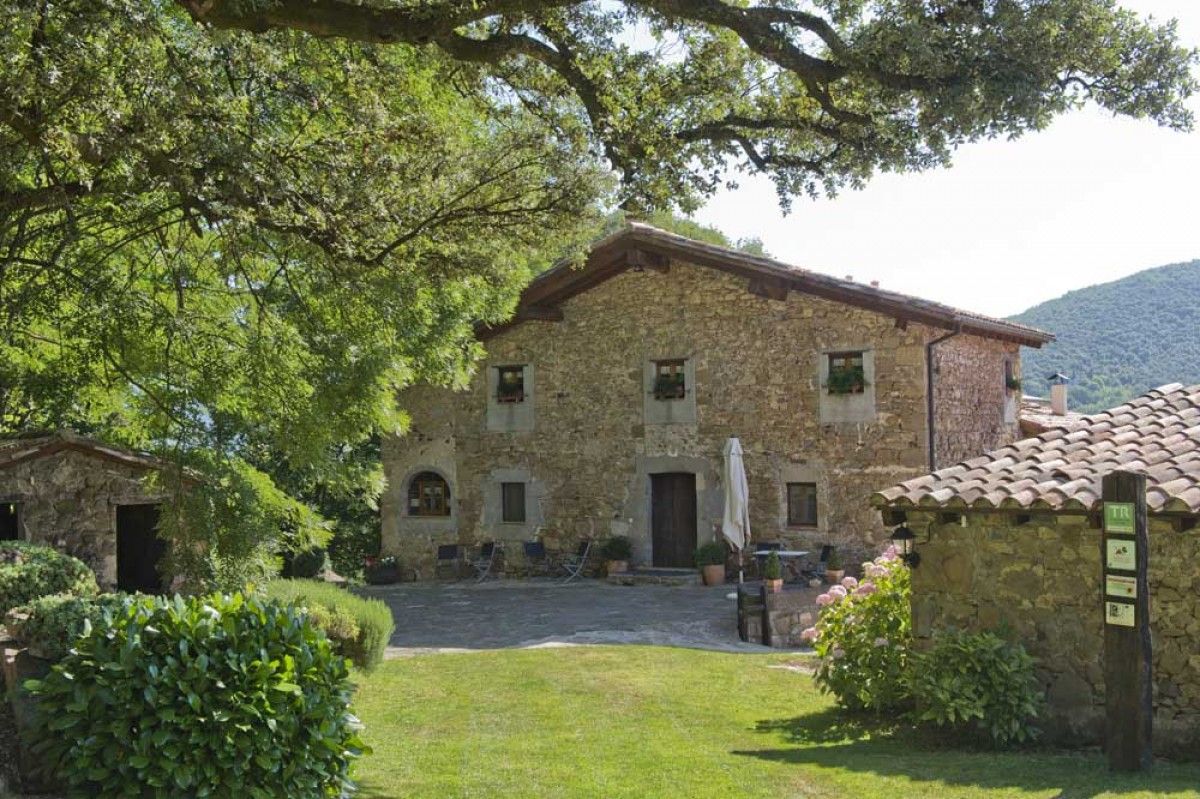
(790,557)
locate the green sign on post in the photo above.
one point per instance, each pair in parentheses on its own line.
(1118,517)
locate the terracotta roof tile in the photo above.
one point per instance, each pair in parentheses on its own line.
(1157,434)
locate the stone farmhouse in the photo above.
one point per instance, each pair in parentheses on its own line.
(1011,539)
(603,407)
(88,499)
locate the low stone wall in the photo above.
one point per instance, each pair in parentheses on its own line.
(787,614)
(1040,581)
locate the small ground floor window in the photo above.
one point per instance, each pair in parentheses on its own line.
(428,495)
(802,504)
(512,501)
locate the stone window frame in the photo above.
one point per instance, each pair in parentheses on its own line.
(505,416)
(792,523)
(507,517)
(413,491)
(673,410)
(852,407)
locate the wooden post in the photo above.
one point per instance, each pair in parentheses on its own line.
(1125,598)
(766,615)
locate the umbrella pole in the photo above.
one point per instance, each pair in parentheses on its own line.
(741,565)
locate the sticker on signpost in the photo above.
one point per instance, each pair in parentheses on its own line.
(1119,614)
(1121,554)
(1125,587)
(1118,517)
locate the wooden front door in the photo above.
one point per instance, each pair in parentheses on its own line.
(673,519)
(139,549)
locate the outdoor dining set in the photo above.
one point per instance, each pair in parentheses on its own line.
(456,561)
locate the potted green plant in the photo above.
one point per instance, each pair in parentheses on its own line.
(711,560)
(833,568)
(382,571)
(616,553)
(773,573)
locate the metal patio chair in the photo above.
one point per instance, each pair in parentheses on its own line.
(573,564)
(483,564)
(536,559)
(449,556)
(818,571)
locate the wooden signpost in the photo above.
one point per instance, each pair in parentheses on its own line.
(1124,550)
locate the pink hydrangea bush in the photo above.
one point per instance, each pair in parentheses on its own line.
(862,637)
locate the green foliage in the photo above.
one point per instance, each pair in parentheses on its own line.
(305,564)
(977,681)
(617,548)
(360,628)
(1120,339)
(49,625)
(29,571)
(863,637)
(834,563)
(773,567)
(222,696)
(235,249)
(711,554)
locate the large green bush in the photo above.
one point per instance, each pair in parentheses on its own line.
(863,636)
(49,625)
(29,571)
(980,681)
(220,696)
(360,628)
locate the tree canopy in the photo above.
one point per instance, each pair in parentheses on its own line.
(232,229)
(818,94)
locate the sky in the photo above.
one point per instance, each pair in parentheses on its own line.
(1091,199)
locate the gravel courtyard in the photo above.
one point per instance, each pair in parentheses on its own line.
(527,613)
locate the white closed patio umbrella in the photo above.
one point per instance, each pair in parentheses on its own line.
(735,525)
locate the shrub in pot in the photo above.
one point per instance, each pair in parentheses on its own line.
(306,563)
(773,572)
(711,559)
(833,568)
(29,571)
(219,696)
(616,553)
(360,628)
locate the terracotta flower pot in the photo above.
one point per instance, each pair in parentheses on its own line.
(834,577)
(616,566)
(714,573)
(775,586)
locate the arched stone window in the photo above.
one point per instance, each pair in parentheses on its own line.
(428,495)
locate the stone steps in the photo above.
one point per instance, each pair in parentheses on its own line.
(656,576)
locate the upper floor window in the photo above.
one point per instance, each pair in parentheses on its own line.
(802,504)
(428,495)
(846,373)
(669,380)
(1012,380)
(510,385)
(512,503)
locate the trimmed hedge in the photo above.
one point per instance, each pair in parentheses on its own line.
(218,696)
(360,628)
(29,571)
(49,625)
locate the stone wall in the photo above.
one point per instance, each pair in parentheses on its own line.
(69,500)
(973,409)
(755,372)
(1041,581)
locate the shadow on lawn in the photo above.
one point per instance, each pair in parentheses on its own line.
(834,739)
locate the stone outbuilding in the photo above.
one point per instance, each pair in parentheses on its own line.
(1010,540)
(603,407)
(88,499)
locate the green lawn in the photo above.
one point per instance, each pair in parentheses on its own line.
(608,722)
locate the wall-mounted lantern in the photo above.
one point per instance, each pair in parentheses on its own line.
(906,544)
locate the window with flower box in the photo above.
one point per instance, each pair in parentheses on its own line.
(670,381)
(510,384)
(847,374)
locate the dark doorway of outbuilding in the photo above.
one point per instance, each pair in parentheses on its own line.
(10,529)
(139,549)
(673,519)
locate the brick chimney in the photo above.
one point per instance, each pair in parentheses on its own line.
(1058,393)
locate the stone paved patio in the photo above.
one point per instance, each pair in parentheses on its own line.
(527,613)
